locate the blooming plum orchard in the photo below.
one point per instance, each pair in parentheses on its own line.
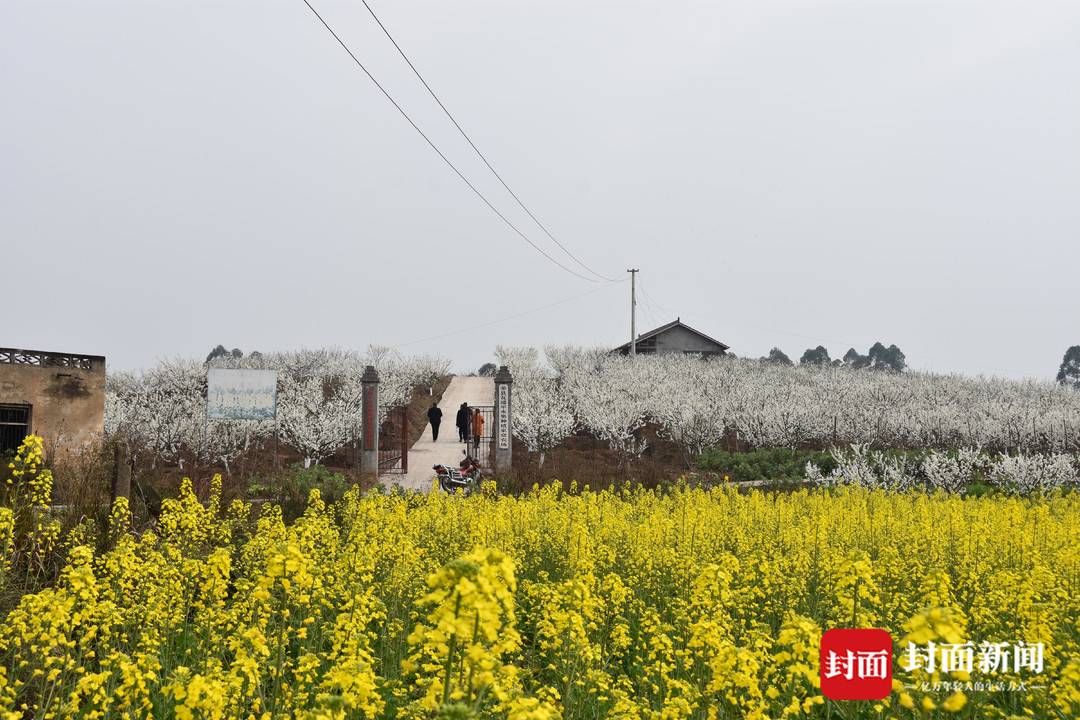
(697,402)
(543,415)
(163,410)
(1020,474)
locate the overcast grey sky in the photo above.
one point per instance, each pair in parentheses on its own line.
(178,174)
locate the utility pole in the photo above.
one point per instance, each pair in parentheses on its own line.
(633,308)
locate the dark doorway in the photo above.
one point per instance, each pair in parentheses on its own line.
(14,427)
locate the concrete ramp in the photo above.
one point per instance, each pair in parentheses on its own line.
(448,450)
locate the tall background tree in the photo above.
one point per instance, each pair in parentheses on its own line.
(487,370)
(1069,372)
(220,351)
(815,356)
(776,355)
(217,352)
(878,357)
(854,360)
(887,358)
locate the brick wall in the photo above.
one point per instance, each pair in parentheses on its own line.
(66,393)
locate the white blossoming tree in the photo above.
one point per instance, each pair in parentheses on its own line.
(951,471)
(696,403)
(163,410)
(543,415)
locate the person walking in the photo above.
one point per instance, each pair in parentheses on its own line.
(477,428)
(434,416)
(463,417)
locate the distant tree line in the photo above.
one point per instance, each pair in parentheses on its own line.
(891,358)
(237,353)
(878,357)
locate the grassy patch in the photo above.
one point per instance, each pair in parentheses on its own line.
(764,464)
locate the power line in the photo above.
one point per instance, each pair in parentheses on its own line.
(648,305)
(474,147)
(652,302)
(649,300)
(439,152)
(509,317)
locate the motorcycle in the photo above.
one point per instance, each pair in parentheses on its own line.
(465,478)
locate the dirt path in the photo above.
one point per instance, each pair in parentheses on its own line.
(426,452)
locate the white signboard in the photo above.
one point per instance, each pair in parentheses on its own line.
(233,394)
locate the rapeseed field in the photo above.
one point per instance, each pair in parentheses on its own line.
(683,603)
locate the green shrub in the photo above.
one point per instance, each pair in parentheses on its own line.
(763,464)
(290,487)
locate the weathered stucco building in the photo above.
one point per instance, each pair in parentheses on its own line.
(675,337)
(59,396)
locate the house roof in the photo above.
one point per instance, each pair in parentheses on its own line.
(664,328)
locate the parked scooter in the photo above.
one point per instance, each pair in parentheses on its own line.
(465,478)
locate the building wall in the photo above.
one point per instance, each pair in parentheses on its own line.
(680,340)
(67,403)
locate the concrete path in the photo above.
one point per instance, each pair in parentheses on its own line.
(425,453)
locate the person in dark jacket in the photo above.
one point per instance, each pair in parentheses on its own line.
(464,417)
(434,416)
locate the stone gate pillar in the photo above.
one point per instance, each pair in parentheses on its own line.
(369,411)
(121,478)
(503,425)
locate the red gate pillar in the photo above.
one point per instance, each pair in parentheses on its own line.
(404,438)
(369,410)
